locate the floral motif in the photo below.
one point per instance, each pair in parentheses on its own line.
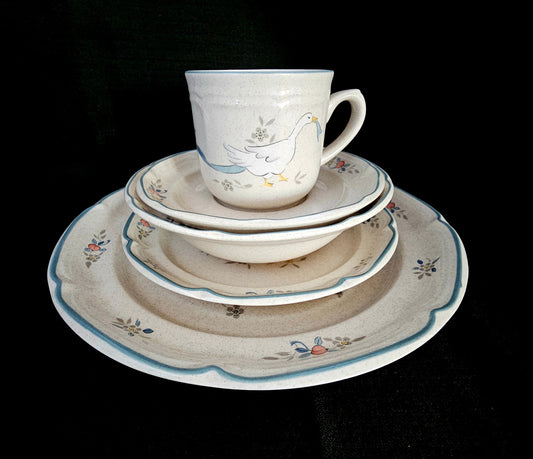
(156,191)
(234,311)
(339,342)
(302,350)
(132,328)
(394,209)
(260,134)
(239,263)
(95,248)
(229,185)
(362,263)
(342,166)
(425,268)
(152,264)
(293,262)
(298,178)
(144,229)
(373,222)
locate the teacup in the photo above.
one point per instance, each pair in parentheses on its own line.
(260,133)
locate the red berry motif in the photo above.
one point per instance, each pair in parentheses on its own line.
(318,349)
(95,248)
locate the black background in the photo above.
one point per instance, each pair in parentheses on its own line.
(106,95)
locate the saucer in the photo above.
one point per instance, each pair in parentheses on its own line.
(353,257)
(102,297)
(174,186)
(260,247)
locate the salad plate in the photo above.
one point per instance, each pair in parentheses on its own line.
(131,319)
(351,258)
(174,187)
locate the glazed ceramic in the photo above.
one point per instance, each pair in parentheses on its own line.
(174,186)
(103,298)
(262,247)
(265,129)
(353,257)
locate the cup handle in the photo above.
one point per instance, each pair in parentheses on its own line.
(357,116)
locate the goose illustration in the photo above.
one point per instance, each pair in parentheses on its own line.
(265,160)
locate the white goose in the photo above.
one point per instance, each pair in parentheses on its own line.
(272,159)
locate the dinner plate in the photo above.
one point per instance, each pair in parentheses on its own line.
(103,298)
(353,257)
(174,187)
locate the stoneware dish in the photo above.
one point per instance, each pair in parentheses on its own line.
(263,247)
(102,297)
(353,257)
(173,186)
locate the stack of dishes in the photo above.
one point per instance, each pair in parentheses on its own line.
(352,278)
(334,207)
(262,259)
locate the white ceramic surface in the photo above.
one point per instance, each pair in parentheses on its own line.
(174,187)
(265,129)
(140,324)
(353,257)
(264,247)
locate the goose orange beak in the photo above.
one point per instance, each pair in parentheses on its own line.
(314,119)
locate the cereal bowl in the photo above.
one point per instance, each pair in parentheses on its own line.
(255,247)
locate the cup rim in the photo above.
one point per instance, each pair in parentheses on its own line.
(256,71)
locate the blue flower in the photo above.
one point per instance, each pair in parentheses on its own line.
(425,268)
